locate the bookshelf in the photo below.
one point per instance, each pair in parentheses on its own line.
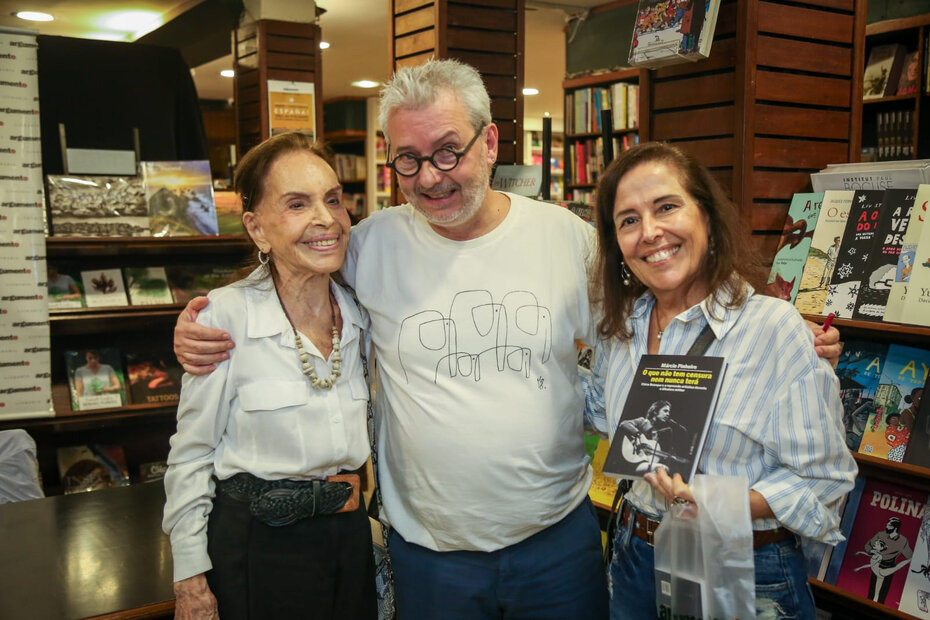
(620,91)
(898,126)
(141,429)
(842,603)
(350,130)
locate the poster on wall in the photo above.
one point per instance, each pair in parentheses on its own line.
(291,107)
(25,362)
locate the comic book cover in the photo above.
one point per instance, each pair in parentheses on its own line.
(888,429)
(915,599)
(881,543)
(859,370)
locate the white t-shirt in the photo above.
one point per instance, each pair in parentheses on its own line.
(94,382)
(481,440)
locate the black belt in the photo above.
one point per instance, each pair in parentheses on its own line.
(644,528)
(283,502)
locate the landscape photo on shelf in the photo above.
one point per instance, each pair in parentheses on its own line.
(179,195)
(97,206)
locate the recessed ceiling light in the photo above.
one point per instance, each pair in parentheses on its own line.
(530,91)
(228,73)
(365,84)
(34,16)
(132,21)
(324,45)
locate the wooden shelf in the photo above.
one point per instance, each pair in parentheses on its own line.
(893,25)
(855,607)
(911,97)
(345,135)
(112,246)
(875,326)
(601,78)
(597,134)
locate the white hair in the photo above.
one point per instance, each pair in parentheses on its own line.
(413,88)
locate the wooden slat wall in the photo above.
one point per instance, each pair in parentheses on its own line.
(772,104)
(272,50)
(487,34)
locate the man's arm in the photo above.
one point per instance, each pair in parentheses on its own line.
(199,348)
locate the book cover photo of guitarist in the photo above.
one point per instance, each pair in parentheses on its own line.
(655,439)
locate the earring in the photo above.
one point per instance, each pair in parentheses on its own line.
(625,273)
(267,258)
(710,246)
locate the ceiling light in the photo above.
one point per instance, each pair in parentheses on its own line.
(34,16)
(107,36)
(530,91)
(324,45)
(365,84)
(132,21)
(228,73)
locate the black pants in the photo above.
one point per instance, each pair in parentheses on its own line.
(319,568)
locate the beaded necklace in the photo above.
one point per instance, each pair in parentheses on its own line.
(335,356)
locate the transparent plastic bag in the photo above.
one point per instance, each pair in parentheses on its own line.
(703,553)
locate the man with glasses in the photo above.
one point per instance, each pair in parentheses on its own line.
(476,300)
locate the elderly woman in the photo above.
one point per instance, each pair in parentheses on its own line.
(263,509)
(672,260)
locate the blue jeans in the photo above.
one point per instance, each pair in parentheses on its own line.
(782,590)
(556,574)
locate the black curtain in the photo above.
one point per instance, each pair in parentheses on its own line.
(100,90)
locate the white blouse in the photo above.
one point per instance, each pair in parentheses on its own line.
(257,412)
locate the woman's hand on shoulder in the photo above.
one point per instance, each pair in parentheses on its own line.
(826,343)
(199,348)
(193,599)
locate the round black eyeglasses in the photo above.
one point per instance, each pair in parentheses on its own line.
(444,159)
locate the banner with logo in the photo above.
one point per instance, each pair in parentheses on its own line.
(25,352)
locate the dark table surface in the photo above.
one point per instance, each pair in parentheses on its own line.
(90,554)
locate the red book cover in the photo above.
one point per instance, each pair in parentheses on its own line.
(881,543)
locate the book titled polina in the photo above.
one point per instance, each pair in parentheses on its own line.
(881,542)
(666,415)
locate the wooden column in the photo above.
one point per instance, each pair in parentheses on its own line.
(774,102)
(487,34)
(269,49)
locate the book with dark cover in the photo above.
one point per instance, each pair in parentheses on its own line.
(848,511)
(918,446)
(888,430)
(793,247)
(154,377)
(91,468)
(189,281)
(915,599)
(883,259)
(821,259)
(859,242)
(859,370)
(147,286)
(152,471)
(909,82)
(96,379)
(881,543)
(97,206)
(916,217)
(666,415)
(179,195)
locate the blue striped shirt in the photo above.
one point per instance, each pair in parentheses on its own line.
(778,420)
